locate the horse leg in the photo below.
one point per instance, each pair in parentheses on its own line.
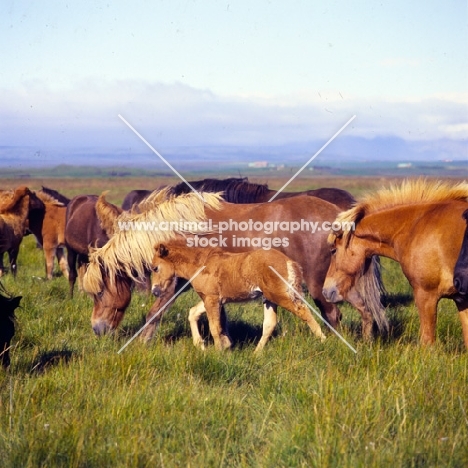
(270,319)
(49,255)
(330,312)
(213,311)
(367,321)
(194,315)
(463,314)
(82,261)
(2,267)
(426,303)
(62,261)
(13,255)
(297,307)
(71,257)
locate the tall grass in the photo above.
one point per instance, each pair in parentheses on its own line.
(69,399)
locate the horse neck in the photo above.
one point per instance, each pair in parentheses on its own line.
(382,233)
(187,261)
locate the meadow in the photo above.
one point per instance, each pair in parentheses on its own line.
(70,399)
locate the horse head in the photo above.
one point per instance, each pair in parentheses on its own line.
(111,296)
(163,276)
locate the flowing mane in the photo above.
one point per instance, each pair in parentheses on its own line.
(130,250)
(409,192)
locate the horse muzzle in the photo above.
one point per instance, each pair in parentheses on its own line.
(156,290)
(332,294)
(101,328)
(460,283)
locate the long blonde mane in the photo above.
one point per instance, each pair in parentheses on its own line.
(130,251)
(409,192)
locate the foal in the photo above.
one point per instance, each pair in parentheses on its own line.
(231,277)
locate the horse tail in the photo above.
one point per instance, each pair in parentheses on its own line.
(369,285)
(295,279)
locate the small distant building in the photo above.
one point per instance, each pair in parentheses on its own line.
(258,164)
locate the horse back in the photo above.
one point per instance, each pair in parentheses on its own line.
(82,226)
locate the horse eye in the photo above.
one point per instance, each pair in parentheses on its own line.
(333,251)
(155,269)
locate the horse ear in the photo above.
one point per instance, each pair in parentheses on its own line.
(163,252)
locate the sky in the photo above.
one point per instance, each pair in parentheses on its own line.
(239,73)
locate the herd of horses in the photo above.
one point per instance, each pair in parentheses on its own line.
(422,224)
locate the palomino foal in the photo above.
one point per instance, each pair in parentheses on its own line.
(231,277)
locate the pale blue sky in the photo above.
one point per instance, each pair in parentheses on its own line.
(232,72)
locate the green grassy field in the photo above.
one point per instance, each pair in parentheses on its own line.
(69,399)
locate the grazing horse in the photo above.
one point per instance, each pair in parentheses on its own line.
(86,226)
(8,305)
(232,277)
(49,229)
(128,254)
(460,275)
(15,209)
(419,224)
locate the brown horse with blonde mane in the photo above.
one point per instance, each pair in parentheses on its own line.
(16,207)
(49,230)
(129,253)
(232,277)
(419,224)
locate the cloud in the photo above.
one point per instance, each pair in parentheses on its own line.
(178,115)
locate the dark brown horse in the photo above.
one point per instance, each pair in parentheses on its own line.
(8,304)
(240,190)
(419,224)
(134,198)
(85,228)
(460,275)
(129,253)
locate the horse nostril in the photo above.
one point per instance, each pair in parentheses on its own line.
(156,291)
(100,329)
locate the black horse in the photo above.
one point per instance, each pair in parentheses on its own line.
(8,304)
(460,274)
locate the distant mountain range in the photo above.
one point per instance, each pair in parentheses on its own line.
(344,150)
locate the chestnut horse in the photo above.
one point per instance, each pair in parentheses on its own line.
(231,277)
(86,226)
(49,230)
(460,274)
(129,252)
(16,207)
(419,224)
(8,305)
